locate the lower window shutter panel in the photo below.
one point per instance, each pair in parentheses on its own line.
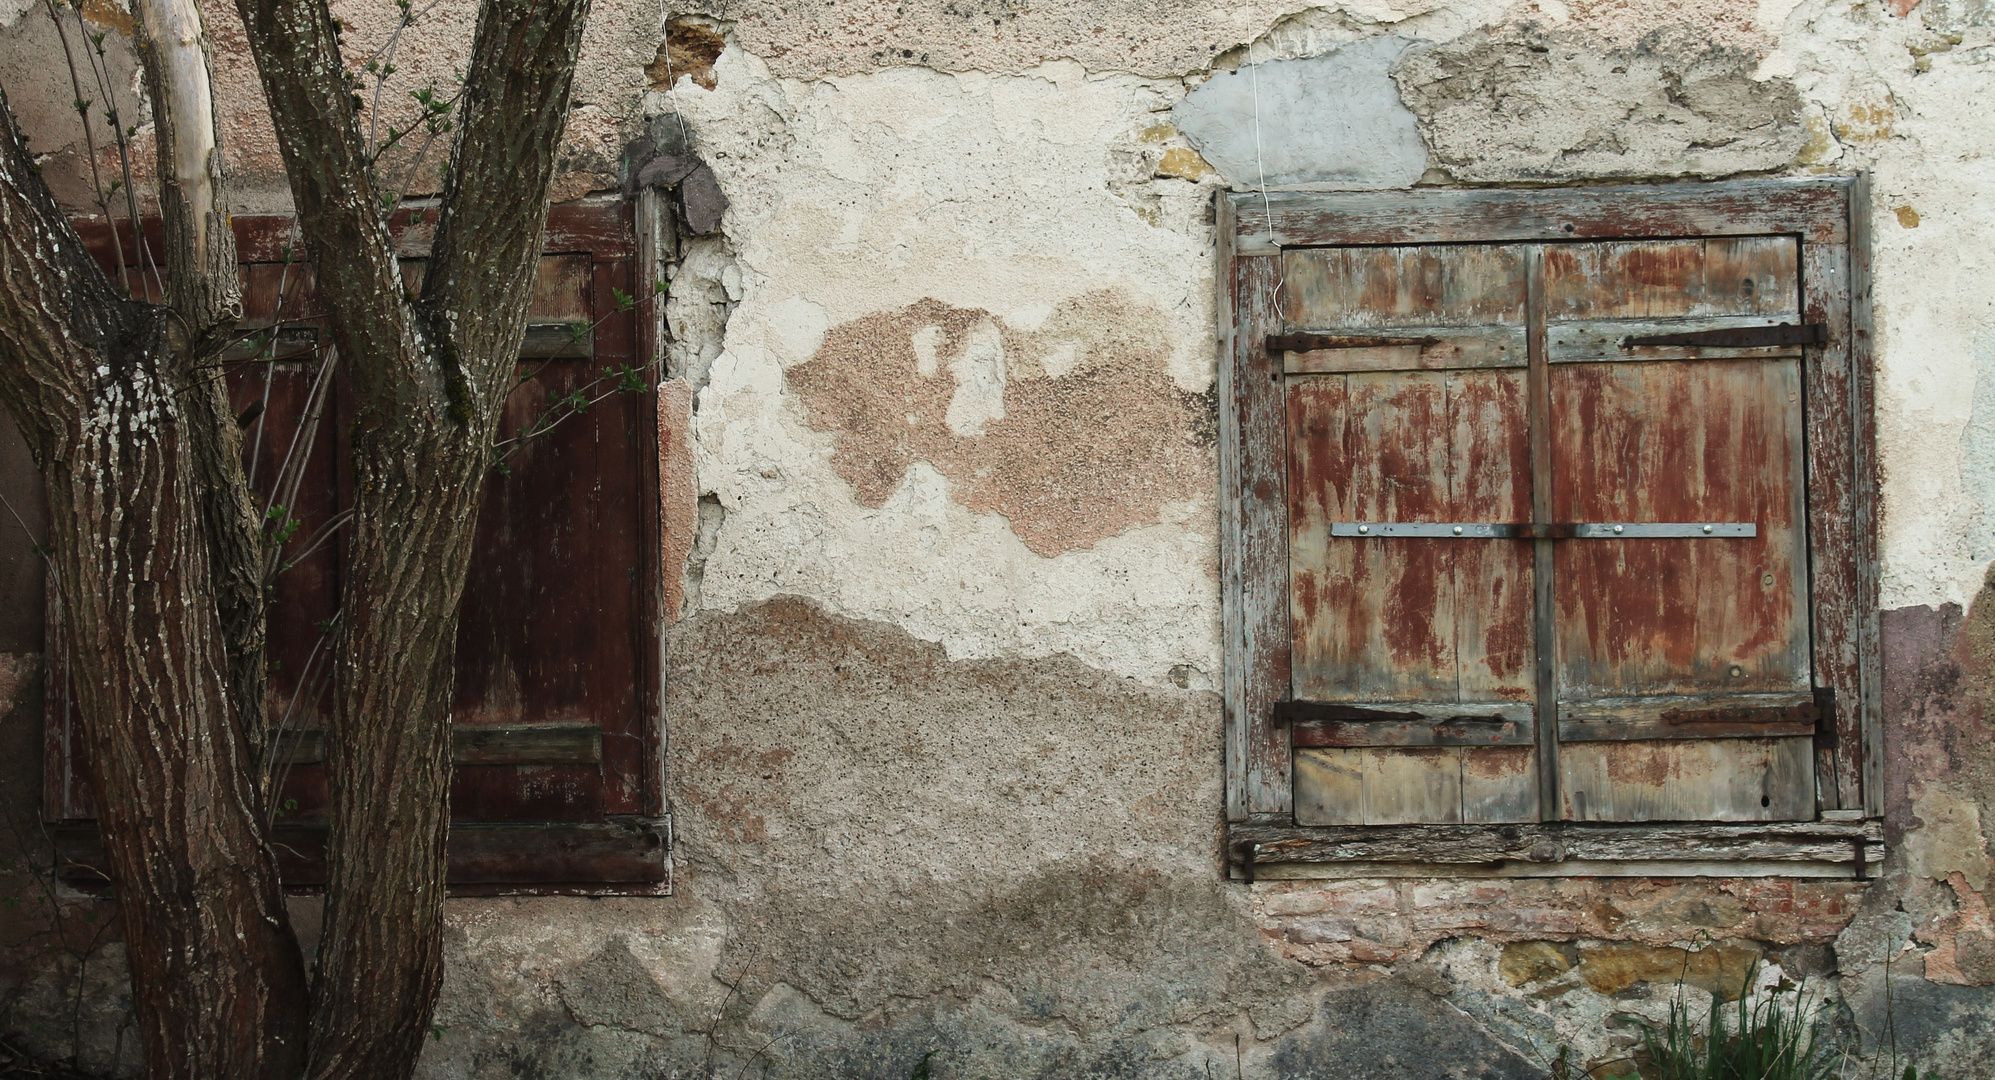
(1547,527)
(556,784)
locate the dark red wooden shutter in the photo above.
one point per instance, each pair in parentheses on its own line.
(557,784)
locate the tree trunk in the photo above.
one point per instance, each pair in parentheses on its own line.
(96,386)
(429,379)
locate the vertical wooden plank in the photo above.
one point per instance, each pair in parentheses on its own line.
(1864,780)
(1329,787)
(1544,599)
(623,483)
(1832,510)
(665,434)
(1690,780)
(1499,784)
(1412,786)
(1489,480)
(1253,531)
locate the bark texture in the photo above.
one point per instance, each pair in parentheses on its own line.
(205,299)
(99,389)
(429,379)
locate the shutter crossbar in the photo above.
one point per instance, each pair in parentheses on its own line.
(1482,530)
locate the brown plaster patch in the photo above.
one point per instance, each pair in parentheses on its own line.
(1075,431)
(678,493)
(689,48)
(108,16)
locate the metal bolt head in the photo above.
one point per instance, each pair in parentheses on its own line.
(1737,671)
(1707,528)
(1617,528)
(1364,529)
(1458,530)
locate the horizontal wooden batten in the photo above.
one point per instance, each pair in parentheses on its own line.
(1391,723)
(557,341)
(475,744)
(1716,716)
(1813,209)
(1421,348)
(1460,732)
(1694,708)
(1595,341)
(600,227)
(1556,849)
(1651,730)
(624,857)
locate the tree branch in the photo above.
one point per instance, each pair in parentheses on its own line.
(203,292)
(513,112)
(200,248)
(58,307)
(313,105)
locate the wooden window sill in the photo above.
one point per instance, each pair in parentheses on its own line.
(1810,849)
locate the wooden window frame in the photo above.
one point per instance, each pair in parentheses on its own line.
(1831,217)
(622,855)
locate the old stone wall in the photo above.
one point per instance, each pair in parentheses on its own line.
(943,726)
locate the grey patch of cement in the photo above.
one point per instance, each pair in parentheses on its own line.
(1330,121)
(1944,1030)
(1395,1029)
(1525,104)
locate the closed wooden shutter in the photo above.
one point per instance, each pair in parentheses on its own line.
(556,784)
(1538,568)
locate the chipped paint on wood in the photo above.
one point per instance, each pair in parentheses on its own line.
(1407,620)
(1689,780)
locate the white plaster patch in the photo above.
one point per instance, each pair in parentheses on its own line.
(867,193)
(1922,137)
(979,371)
(795,329)
(926,361)
(1061,360)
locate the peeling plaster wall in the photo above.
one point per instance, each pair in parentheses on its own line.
(943,731)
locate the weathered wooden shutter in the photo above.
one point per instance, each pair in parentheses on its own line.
(1546,513)
(556,784)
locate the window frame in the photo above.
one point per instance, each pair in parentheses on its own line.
(1831,217)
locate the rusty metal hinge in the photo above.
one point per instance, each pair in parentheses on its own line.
(1311,342)
(1739,337)
(1806,713)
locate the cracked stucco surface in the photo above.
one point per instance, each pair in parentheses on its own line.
(931,736)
